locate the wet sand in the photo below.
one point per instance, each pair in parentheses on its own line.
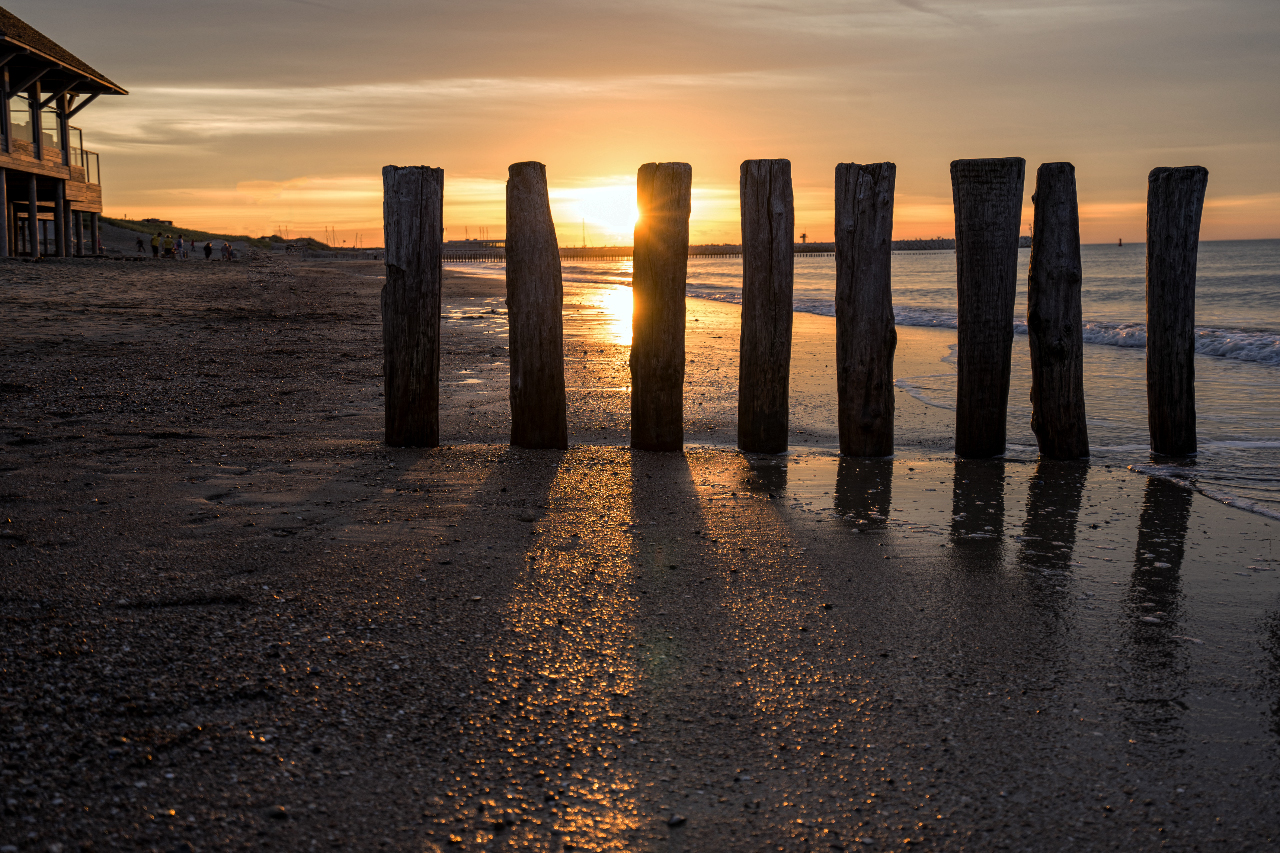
(233,618)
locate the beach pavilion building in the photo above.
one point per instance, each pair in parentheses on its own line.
(50,194)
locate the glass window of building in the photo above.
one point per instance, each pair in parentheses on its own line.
(20,118)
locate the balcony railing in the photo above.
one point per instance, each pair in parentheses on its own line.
(84,166)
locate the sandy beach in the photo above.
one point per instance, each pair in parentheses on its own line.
(232,618)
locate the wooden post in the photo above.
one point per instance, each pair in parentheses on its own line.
(988,209)
(93,233)
(659,267)
(412,213)
(535,302)
(1054,324)
(4,213)
(59,219)
(865,333)
(768,270)
(1175,198)
(33,217)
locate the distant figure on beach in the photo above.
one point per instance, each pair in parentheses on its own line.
(181,249)
(208,251)
(226,251)
(141,249)
(155,244)
(168,245)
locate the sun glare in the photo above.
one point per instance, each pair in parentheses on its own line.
(607,214)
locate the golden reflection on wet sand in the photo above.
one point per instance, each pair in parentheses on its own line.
(573,617)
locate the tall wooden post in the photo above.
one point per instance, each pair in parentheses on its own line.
(59,219)
(1175,199)
(33,217)
(5,249)
(412,214)
(659,266)
(93,233)
(768,270)
(1054,325)
(988,209)
(535,301)
(865,333)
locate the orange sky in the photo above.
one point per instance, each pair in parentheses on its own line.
(283,118)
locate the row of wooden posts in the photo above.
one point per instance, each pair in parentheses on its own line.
(988,210)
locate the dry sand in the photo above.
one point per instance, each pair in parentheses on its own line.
(232,618)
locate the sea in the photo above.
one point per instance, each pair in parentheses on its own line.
(1237,352)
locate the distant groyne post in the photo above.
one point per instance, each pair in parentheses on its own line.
(768,271)
(659,269)
(1175,200)
(413,225)
(988,210)
(535,299)
(1054,325)
(865,334)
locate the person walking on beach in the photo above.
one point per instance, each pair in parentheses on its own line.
(141,249)
(180,249)
(155,245)
(208,251)
(168,245)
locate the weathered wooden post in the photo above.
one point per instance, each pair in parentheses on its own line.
(988,209)
(865,334)
(1175,199)
(33,217)
(659,266)
(412,203)
(535,298)
(1054,325)
(768,269)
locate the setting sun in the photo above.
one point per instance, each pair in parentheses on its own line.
(607,214)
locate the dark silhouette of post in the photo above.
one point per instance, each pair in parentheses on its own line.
(988,206)
(1054,325)
(659,267)
(412,202)
(768,270)
(865,334)
(1175,199)
(535,299)
(33,217)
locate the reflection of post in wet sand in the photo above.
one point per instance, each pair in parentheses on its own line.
(562,684)
(864,491)
(977,509)
(1054,496)
(1153,602)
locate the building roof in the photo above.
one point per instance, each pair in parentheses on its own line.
(42,51)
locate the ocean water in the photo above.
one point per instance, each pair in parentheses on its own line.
(1237,352)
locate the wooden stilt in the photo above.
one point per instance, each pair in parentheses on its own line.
(33,217)
(1054,324)
(764,363)
(659,269)
(865,334)
(1175,199)
(535,304)
(988,209)
(412,211)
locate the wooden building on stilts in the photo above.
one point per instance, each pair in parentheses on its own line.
(50,190)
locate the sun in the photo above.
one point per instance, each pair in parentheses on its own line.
(606,213)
